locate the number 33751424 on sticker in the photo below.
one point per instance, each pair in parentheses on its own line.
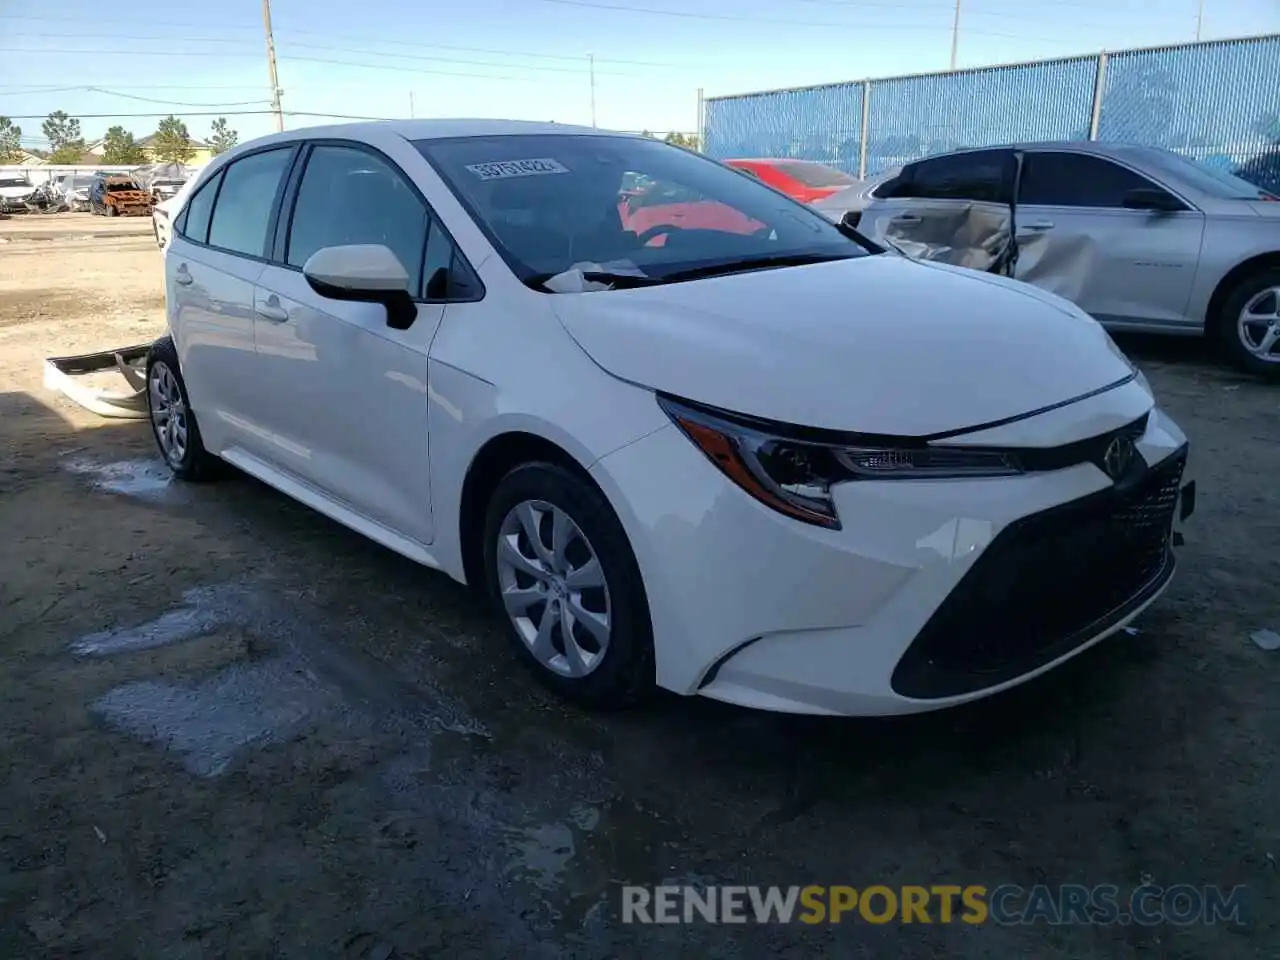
(500,169)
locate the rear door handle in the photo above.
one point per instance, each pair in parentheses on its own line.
(182,276)
(1037,225)
(905,218)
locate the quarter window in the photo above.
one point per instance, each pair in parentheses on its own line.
(350,196)
(246,200)
(1076,180)
(194,220)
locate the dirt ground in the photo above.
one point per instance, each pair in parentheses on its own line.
(233,728)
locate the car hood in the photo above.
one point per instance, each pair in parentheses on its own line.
(877,344)
(14,193)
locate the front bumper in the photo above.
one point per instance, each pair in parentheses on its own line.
(934,593)
(15,204)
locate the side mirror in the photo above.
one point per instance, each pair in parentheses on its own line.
(367,273)
(1149,198)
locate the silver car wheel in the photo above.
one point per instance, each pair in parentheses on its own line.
(168,413)
(553,588)
(1259,325)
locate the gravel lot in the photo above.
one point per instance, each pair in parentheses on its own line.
(232,728)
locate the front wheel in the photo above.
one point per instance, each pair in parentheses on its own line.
(1248,327)
(173,423)
(112,211)
(562,572)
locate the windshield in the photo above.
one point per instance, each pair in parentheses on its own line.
(550,202)
(13,182)
(121,187)
(1215,183)
(815,174)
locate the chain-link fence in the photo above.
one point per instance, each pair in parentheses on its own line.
(1218,102)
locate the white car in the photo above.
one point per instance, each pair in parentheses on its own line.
(15,192)
(780,469)
(164,212)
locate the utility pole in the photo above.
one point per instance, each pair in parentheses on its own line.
(1199,19)
(591,65)
(411,115)
(955,35)
(271,66)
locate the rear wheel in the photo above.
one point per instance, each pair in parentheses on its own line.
(173,423)
(1248,328)
(561,571)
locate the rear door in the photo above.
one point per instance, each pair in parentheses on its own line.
(210,269)
(1077,239)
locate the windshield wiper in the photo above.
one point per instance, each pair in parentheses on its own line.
(754,263)
(618,281)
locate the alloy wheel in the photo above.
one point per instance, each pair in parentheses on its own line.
(168,413)
(553,588)
(1258,326)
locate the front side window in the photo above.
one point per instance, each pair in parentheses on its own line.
(246,200)
(549,202)
(351,196)
(976,175)
(194,220)
(1076,180)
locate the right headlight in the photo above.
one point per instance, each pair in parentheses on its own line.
(794,474)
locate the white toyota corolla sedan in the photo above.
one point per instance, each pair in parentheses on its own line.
(686,432)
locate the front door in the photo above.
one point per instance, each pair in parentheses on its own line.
(347,393)
(1077,239)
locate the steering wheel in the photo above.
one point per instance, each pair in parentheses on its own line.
(661,230)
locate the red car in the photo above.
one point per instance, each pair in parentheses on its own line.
(801,180)
(645,210)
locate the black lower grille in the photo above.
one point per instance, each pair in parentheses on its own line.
(1045,585)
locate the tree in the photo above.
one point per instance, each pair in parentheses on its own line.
(221,137)
(688,141)
(172,143)
(10,141)
(119,147)
(65,140)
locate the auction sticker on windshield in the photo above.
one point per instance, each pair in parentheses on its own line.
(501,169)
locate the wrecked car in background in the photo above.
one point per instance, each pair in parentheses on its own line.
(118,195)
(1140,238)
(162,180)
(15,191)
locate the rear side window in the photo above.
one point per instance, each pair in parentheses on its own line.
(1076,180)
(194,220)
(351,196)
(981,175)
(246,201)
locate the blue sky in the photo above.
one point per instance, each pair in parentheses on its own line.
(527,59)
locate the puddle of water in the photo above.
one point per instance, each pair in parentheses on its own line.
(541,854)
(209,725)
(185,623)
(148,479)
(203,610)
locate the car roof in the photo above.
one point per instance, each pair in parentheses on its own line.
(442,129)
(1101,149)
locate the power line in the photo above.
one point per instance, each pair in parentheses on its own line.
(175,103)
(581,71)
(790,23)
(408,69)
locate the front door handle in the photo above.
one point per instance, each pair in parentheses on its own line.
(905,218)
(183,277)
(1036,226)
(272,311)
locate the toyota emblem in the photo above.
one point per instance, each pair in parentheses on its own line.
(1118,457)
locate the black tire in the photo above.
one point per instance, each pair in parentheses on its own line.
(195,463)
(1225,326)
(112,211)
(625,675)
